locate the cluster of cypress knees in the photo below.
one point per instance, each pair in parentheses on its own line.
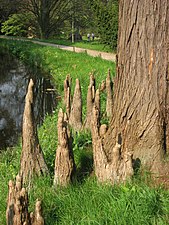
(118,169)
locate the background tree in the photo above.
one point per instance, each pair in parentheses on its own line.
(7,8)
(107,20)
(81,18)
(48,14)
(17,25)
(140,121)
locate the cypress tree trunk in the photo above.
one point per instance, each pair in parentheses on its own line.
(140,121)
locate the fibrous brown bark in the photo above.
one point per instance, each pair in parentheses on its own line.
(75,119)
(109,91)
(93,84)
(67,94)
(17,206)
(103,86)
(64,162)
(141,97)
(32,160)
(119,169)
(36,217)
(97,102)
(90,101)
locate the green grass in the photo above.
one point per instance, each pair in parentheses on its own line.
(59,63)
(91,203)
(85,202)
(88,202)
(93,45)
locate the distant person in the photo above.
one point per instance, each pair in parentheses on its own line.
(92,36)
(88,37)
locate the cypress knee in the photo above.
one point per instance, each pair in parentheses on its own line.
(119,169)
(75,119)
(90,101)
(64,162)
(32,159)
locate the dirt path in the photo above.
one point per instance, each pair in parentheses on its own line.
(94,53)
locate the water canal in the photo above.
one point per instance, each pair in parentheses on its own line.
(14,78)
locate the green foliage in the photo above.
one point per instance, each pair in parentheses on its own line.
(48,15)
(8,8)
(16,25)
(107,21)
(81,18)
(83,155)
(48,139)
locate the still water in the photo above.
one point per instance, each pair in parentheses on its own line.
(14,78)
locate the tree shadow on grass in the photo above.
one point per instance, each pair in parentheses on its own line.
(85,166)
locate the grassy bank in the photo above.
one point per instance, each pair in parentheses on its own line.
(93,45)
(85,202)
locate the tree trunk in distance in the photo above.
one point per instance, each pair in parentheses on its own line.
(140,119)
(73,28)
(32,160)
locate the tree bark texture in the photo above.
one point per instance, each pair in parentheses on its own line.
(64,162)
(140,121)
(119,169)
(36,217)
(75,119)
(32,160)
(90,101)
(17,206)
(109,92)
(67,94)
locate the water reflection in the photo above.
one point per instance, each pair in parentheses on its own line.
(14,78)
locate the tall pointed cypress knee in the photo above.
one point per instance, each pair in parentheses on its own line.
(32,160)
(90,101)
(64,162)
(75,119)
(93,84)
(67,94)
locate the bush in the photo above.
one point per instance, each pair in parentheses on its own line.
(107,21)
(17,25)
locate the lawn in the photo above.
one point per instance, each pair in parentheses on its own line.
(93,45)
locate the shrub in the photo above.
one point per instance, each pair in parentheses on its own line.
(17,25)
